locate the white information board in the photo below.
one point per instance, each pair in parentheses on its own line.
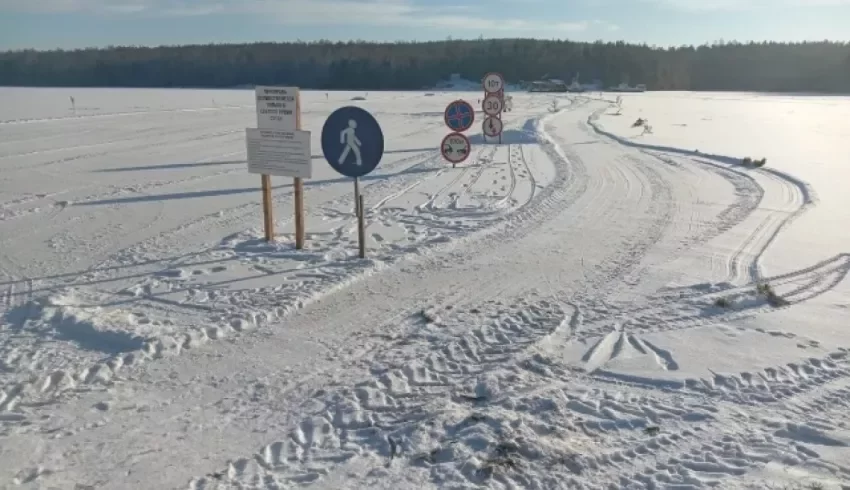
(281,153)
(277,107)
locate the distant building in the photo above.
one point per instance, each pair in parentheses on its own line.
(550,85)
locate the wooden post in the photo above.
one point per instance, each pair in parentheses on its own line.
(299,213)
(361,227)
(298,186)
(268,217)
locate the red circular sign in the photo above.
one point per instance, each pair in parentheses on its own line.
(459,116)
(493,83)
(455,147)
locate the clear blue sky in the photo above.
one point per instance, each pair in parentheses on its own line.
(45,24)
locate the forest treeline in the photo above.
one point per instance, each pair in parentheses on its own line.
(769,66)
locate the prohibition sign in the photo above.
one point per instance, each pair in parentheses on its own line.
(493,83)
(492,126)
(459,116)
(455,147)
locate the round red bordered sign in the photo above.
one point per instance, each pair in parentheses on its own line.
(492,105)
(492,126)
(455,147)
(493,82)
(459,116)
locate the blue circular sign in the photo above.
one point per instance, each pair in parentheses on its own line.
(352,141)
(459,116)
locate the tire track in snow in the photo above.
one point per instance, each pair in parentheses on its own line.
(531,178)
(484,155)
(813,390)
(799,197)
(696,308)
(424,403)
(512,169)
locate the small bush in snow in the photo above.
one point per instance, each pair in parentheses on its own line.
(750,162)
(504,457)
(773,299)
(429,316)
(723,303)
(639,122)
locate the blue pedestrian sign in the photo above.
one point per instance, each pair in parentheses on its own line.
(352,141)
(459,116)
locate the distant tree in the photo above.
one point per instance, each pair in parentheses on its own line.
(767,66)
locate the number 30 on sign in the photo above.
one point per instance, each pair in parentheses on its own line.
(492,105)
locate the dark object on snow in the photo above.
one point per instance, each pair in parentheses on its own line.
(770,296)
(722,303)
(749,162)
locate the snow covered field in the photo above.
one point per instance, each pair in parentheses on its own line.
(575,308)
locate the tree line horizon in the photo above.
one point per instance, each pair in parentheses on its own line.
(822,66)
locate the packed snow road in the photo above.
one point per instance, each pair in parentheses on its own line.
(546,315)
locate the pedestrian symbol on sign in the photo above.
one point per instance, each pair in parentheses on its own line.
(348,137)
(352,141)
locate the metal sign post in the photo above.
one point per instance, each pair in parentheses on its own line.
(459,116)
(494,98)
(357,196)
(353,144)
(298,187)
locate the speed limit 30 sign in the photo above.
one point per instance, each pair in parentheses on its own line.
(492,105)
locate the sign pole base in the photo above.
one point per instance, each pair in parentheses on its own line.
(298,184)
(268,218)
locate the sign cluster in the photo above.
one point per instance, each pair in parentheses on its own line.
(493,104)
(459,116)
(352,143)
